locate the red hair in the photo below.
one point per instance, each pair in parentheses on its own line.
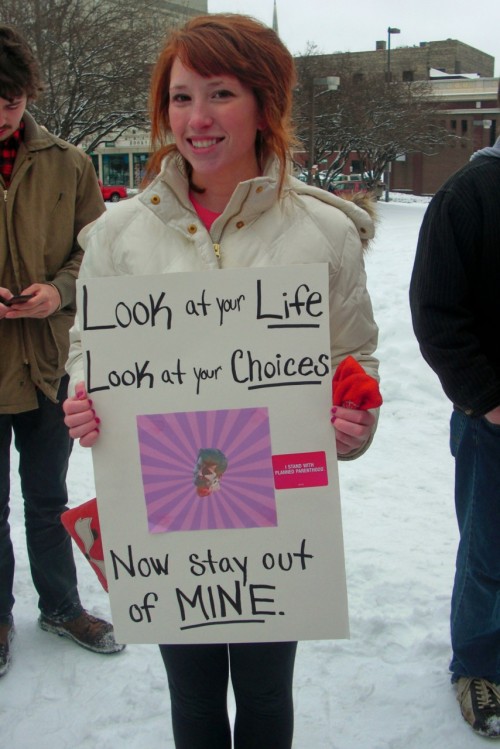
(229,44)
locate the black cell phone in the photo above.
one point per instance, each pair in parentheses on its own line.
(19,299)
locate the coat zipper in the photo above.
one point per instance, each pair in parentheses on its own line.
(216,244)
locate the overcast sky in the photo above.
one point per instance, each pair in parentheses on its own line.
(340,26)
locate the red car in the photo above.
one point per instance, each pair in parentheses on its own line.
(347,188)
(114,193)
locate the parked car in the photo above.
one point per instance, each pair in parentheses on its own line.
(348,178)
(346,187)
(114,193)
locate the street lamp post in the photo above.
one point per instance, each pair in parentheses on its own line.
(332,83)
(390,30)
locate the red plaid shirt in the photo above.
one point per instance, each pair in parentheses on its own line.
(8,153)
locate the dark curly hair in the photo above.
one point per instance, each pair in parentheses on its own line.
(19,69)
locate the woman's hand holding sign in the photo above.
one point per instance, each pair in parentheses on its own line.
(81,418)
(353,428)
(353,393)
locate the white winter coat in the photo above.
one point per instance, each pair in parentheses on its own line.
(159,231)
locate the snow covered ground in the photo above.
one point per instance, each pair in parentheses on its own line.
(385,688)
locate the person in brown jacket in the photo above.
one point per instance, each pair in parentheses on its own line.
(50,192)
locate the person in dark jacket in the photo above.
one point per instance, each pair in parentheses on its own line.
(455,304)
(50,192)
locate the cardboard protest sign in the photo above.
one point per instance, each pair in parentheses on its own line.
(216,472)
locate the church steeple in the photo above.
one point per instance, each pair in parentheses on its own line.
(275,18)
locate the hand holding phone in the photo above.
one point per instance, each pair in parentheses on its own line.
(19,299)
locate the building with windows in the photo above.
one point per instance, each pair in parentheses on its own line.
(123,161)
(469,108)
(450,57)
(463,87)
(462,84)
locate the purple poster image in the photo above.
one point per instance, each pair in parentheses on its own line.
(205,470)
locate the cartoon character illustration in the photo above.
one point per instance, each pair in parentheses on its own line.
(210,466)
(204,470)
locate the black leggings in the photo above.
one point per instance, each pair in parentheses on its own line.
(261,675)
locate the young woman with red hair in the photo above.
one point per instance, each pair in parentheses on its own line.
(220,195)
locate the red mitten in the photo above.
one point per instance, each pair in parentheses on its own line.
(352,387)
(82,523)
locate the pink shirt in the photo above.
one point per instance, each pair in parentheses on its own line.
(206,216)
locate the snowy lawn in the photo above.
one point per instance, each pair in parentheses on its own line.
(385,688)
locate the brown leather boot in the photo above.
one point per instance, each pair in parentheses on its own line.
(86,630)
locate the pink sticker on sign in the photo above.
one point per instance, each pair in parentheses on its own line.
(298,470)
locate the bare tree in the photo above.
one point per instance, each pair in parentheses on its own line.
(96,57)
(367,116)
(392,120)
(318,117)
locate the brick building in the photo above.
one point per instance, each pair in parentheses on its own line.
(414,63)
(463,87)
(471,111)
(462,82)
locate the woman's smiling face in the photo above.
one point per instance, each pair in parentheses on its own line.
(214,121)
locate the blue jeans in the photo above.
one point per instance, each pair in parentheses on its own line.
(475,606)
(261,676)
(44,447)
